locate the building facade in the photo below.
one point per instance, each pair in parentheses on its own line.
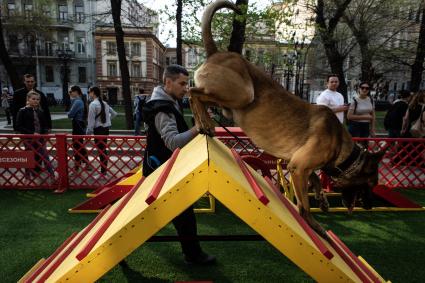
(145,56)
(54,42)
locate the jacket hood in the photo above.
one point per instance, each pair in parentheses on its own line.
(159,100)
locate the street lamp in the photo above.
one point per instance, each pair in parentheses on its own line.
(65,55)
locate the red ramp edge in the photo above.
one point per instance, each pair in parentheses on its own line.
(102,199)
(352,260)
(312,234)
(394,198)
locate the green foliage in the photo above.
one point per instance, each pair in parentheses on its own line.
(260,22)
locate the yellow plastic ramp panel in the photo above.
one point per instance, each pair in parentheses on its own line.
(133,179)
(138,221)
(273,221)
(204,165)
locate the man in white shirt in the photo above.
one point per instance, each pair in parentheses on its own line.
(333,99)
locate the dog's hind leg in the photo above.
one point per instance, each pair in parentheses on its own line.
(202,119)
(319,193)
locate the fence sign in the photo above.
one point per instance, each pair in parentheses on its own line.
(17,159)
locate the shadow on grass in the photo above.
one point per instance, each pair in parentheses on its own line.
(136,276)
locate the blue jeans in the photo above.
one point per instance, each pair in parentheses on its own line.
(359,129)
(137,124)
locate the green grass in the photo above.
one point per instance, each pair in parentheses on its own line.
(34,223)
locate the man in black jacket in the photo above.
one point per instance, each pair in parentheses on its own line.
(20,100)
(393,119)
(167,130)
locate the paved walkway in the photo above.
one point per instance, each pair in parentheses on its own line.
(8,129)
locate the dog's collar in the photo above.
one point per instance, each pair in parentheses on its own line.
(348,166)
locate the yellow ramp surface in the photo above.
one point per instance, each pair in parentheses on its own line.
(204,165)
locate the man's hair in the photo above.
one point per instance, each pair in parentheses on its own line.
(331,76)
(27,76)
(173,72)
(141,90)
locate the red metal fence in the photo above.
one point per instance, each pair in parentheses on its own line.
(403,165)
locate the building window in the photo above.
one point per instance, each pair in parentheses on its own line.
(81,45)
(11,8)
(112,68)
(28,11)
(45,9)
(155,54)
(30,44)
(49,74)
(82,75)
(192,58)
(63,13)
(127,48)
(135,49)
(111,48)
(155,72)
(13,43)
(79,14)
(136,70)
(48,48)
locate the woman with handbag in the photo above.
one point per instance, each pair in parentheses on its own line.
(361,113)
(414,120)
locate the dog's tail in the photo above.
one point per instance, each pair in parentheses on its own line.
(207,37)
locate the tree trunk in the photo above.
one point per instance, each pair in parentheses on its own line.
(125,76)
(336,61)
(179,32)
(326,30)
(417,67)
(7,62)
(238,31)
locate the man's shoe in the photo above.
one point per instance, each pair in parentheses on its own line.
(201,259)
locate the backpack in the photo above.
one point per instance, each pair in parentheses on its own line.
(391,115)
(140,103)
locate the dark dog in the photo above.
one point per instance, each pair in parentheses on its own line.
(308,136)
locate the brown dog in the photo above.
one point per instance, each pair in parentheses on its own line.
(308,136)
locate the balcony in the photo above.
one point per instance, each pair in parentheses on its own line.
(63,22)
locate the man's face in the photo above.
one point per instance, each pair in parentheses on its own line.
(333,83)
(29,83)
(178,87)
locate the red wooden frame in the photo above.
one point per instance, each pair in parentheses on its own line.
(157,187)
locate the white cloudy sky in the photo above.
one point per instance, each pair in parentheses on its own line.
(164,27)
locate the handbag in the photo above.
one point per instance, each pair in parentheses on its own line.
(418,127)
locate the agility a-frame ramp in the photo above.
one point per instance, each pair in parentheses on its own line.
(204,165)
